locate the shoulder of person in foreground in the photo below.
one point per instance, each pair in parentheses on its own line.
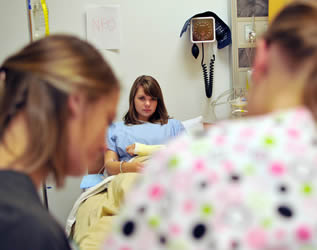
(198,197)
(35,231)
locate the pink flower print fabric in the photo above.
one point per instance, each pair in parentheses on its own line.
(245,185)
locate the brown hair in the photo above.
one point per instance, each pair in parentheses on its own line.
(39,79)
(153,89)
(294,29)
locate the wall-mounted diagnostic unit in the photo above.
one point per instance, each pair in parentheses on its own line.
(205,28)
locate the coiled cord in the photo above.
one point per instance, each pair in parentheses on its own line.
(208,79)
(211,73)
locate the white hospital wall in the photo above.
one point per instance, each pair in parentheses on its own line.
(150,45)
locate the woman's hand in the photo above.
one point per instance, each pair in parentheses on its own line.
(112,164)
(130,149)
(138,166)
(132,167)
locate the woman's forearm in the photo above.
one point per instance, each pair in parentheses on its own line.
(113,167)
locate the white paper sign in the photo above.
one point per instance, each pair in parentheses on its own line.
(103,27)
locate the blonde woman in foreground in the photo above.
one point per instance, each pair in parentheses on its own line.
(58,96)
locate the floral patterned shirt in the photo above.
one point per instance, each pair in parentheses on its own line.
(246,184)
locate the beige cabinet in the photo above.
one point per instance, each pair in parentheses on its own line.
(249,21)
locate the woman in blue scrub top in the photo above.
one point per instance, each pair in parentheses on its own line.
(146,122)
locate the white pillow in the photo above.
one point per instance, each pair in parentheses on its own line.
(194,125)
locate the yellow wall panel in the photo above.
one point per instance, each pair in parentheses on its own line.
(275,6)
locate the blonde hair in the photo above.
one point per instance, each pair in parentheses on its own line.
(39,79)
(151,88)
(294,29)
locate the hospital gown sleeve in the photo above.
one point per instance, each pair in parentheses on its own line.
(110,138)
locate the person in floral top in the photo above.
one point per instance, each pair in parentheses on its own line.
(246,184)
